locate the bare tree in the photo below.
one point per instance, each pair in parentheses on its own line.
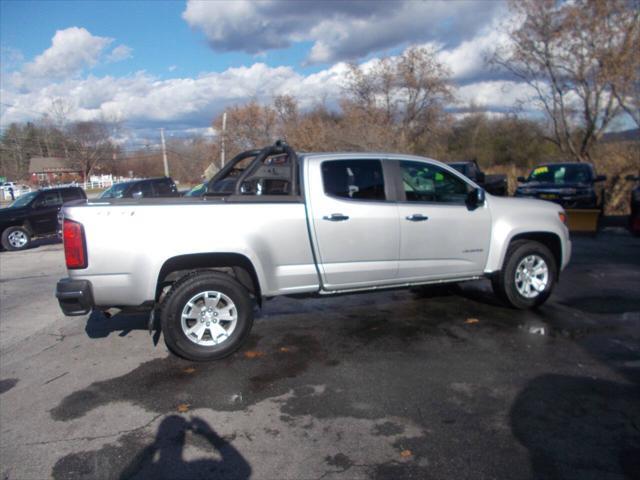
(90,144)
(571,55)
(407,93)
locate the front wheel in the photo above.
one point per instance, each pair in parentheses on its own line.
(528,275)
(206,316)
(16,238)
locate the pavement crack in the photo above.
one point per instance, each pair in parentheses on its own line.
(96,437)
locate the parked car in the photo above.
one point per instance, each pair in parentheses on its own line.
(34,214)
(634,217)
(494,184)
(149,187)
(572,185)
(308,224)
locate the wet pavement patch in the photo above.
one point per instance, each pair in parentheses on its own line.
(162,457)
(7,384)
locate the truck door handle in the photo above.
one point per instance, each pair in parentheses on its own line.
(417,217)
(336,217)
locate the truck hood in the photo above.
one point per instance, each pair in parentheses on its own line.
(524,204)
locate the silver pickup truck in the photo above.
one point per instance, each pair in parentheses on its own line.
(273,222)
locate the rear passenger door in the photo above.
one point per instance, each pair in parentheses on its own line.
(355,221)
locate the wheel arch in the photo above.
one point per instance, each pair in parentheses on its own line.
(235,264)
(548,239)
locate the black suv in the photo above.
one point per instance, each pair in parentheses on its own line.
(34,214)
(149,187)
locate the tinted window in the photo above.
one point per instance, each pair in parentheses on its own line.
(143,187)
(69,194)
(115,191)
(164,187)
(424,182)
(355,179)
(49,199)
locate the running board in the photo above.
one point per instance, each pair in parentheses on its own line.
(398,285)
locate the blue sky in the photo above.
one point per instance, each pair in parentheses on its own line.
(178,64)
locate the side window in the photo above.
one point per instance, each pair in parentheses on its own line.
(69,194)
(354,179)
(144,188)
(50,199)
(424,182)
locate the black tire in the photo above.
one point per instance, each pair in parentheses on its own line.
(6,240)
(504,282)
(176,300)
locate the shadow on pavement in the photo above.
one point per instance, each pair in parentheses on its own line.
(101,326)
(164,458)
(584,427)
(167,457)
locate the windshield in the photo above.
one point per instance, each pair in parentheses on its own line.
(116,191)
(24,200)
(560,174)
(460,167)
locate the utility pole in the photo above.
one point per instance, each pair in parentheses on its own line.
(164,154)
(224,134)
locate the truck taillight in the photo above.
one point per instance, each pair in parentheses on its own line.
(75,249)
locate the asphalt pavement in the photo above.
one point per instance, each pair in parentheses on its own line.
(440,383)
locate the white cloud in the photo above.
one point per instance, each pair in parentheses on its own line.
(71,50)
(121,52)
(172,68)
(341,30)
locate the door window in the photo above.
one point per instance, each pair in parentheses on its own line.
(50,199)
(144,188)
(424,182)
(354,179)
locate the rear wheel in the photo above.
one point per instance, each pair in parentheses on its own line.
(206,316)
(16,238)
(528,275)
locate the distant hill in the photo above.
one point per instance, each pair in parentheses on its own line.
(624,136)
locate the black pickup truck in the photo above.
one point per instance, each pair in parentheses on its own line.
(494,184)
(571,184)
(34,214)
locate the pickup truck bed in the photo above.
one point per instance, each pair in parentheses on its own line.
(303,224)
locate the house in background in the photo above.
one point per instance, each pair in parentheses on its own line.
(45,171)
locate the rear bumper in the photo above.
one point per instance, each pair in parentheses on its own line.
(74,296)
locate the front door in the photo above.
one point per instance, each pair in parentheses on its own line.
(355,226)
(441,237)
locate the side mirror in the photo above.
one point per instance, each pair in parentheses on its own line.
(522,180)
(137,195)
(475,198)
(600,178)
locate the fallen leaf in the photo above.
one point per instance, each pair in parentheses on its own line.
(183,407)
(470,321)
(405,453)
(189,370)
(253,354)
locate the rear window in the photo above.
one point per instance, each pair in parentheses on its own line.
(354,179)
(70,194)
